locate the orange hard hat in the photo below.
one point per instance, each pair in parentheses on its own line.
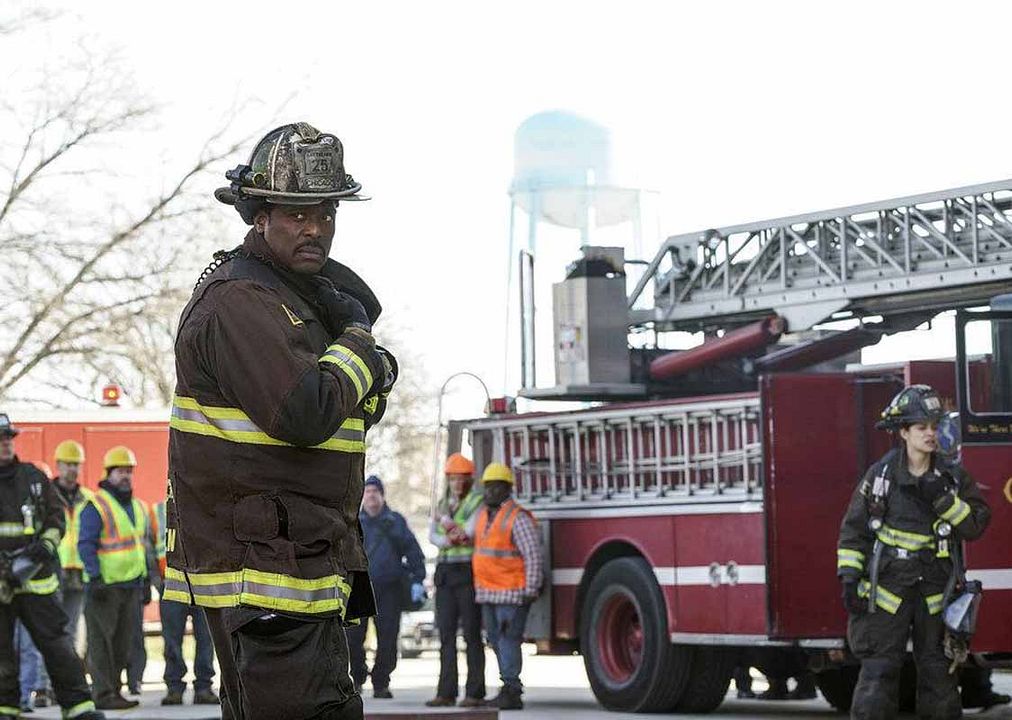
(457,464)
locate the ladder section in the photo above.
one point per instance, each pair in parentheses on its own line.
(635,454)
(920,253)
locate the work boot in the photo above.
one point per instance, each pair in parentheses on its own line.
(777,690)
(115,702)
(42,699)
(91,715)
(509,699)
(173,697)
(441,702)
(205,696)
(470,702)
(746,694)
(134,689)
(985,701)
(382,693)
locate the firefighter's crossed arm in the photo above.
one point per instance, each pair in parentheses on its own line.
(965,509)
(268,365)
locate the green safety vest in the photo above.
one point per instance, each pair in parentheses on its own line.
(460,553)
(121,555)
(70,558)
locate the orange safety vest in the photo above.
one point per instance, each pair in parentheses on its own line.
(497,563)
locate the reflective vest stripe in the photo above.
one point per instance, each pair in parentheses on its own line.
(489,552)
(70,558)
(460,553)
(262,589)
(351,365)
(934,603)
(849,558)
(904,539)
(957,512)
(121,556)
(235,426)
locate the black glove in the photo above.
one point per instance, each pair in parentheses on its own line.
(933,486)
(146,595)
(342,310)
(40,551)
(852,602)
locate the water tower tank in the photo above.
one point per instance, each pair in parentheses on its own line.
(562,172)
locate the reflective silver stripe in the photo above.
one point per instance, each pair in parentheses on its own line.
(459,558)
(228,425)
(498,553)
(325,593)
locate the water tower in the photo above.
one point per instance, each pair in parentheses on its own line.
(562,176)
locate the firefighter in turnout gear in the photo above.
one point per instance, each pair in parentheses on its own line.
(278,379)
(451,532)
(111,542)
(31,525)
(69,457)
(899,559)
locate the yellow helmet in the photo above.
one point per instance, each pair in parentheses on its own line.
(69,451)
(497,471)
(119,456)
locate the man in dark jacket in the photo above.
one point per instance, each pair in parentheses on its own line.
(114,528)
(898,557)
(278,378)
(31,524)
(393,555)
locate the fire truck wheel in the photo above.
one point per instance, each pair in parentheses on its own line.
(837,685)
(631,664)
(709,677)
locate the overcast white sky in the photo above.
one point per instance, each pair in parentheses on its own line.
(732,111)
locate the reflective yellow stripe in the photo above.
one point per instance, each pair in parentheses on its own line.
(934,603)
(849,558)
(44,586)
(351,365)
(79,709)
(904,539)
(9,529)
(247,586)
(235,426)
(957,513)
(890,602)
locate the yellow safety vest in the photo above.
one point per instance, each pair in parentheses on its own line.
(70,558)
(121,545)
(467,507)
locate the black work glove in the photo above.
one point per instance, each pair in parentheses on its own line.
(852,602)
(933,486)
(146,595)
(341,309)
(40,551)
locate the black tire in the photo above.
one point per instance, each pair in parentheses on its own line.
(639,670)
(709,677)
(837,685)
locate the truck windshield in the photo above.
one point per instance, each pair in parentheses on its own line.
(989,365)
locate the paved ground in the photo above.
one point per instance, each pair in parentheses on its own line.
(556,688)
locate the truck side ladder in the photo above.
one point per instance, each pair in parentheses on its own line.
(631,454)
(926,252)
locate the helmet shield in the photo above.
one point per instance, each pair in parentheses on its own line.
(292,165)
(914,404)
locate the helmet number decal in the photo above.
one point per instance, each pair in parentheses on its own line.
(320,169)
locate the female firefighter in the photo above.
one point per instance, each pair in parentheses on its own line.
(898,558)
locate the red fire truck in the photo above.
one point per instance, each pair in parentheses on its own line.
(690,508)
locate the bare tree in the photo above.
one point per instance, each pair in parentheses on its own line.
(97,249)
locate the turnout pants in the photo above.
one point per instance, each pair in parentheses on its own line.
(456,608)
(276,666)
(110,612)
(879,639)
(46,622)
(388,626)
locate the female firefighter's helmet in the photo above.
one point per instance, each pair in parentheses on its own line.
(913,404)
(294,164)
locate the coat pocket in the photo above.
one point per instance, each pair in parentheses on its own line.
(255,519)
(311,527)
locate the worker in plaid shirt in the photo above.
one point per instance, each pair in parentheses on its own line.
(508,576)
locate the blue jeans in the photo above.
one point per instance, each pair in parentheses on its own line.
(174,616)
(32,675)
(504,627)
